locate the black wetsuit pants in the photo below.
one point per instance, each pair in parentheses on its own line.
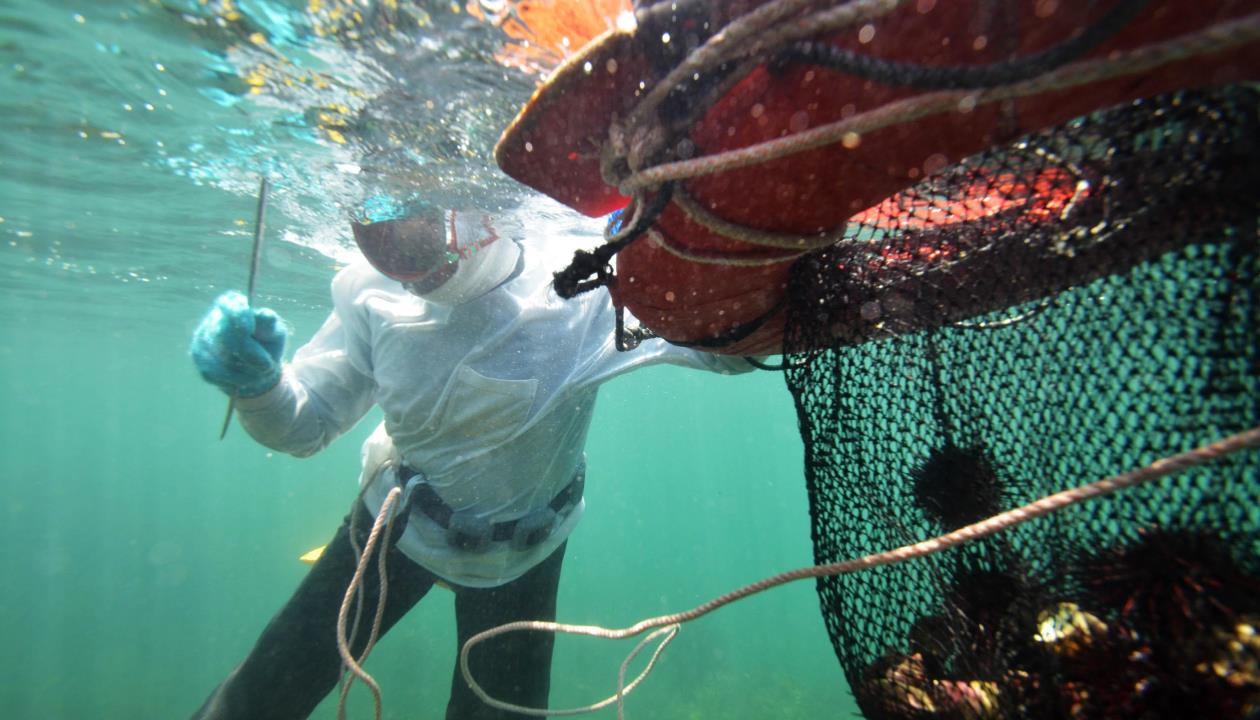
(295,663)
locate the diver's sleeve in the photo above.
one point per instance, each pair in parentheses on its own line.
(322,393)
(661,351)
(607,362)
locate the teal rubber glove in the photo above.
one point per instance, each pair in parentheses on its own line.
(239,349)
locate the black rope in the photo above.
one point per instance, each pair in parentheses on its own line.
(627,340)
(966,77)
(690,23)
(590,270)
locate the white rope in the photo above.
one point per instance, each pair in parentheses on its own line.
(384,522)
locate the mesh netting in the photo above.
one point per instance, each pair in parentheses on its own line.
(1072,306)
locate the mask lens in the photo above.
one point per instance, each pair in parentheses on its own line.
(410,250)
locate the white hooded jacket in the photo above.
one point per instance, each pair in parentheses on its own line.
(490,399)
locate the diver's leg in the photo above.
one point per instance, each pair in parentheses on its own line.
(295,662)
(515,667)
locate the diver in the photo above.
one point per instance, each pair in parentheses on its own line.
(487,382)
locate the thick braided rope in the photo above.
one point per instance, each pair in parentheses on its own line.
(724,43)
(798,245)
(384,520)
(767,27)
(969,76)
(821,22)
(717,258)
(1219,37)
(352,536)
(721,226)
(997,523)
(378,619)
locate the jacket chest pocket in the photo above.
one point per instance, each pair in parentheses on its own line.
(478,411)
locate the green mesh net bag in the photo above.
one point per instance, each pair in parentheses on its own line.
(1074,305)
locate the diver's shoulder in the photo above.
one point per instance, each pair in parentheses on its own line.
(362,294)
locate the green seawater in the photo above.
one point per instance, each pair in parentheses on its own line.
(141,556)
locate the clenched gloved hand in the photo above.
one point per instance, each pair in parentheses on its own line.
(239,348)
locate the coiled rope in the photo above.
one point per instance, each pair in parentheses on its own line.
(668,625)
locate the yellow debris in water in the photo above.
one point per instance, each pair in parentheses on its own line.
(310,557)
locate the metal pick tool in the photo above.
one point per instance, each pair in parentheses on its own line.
(254,262)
